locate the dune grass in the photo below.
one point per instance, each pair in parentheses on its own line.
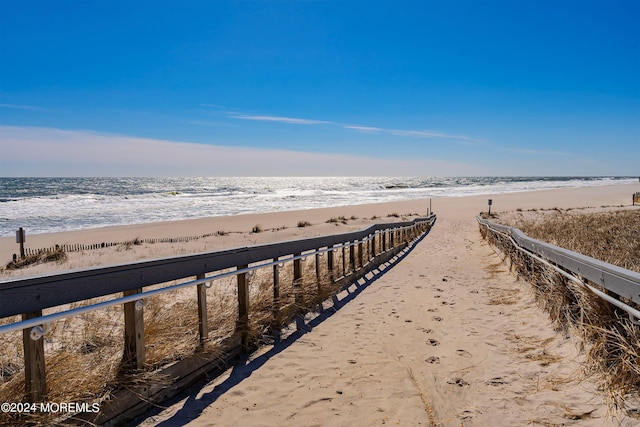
(613,237)
(611,341)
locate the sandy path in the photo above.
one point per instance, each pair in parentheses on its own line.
(451,340)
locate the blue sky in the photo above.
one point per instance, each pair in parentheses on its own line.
(215,88)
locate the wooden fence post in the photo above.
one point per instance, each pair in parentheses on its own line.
(360,254)
(297,289)
(373,247)
(344,261)
(242,324)
(330,265)
(34,367)
(275,320)
(203,326)
(133,355)
(318,279)
(352,257)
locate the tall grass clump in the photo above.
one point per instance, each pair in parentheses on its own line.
(610,339)
(612,237)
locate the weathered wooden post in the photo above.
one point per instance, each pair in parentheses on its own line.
(275,320)
(21,239)
(318,278)
(242,324)
(490,203)
(330,266)
(297,290)
(203,326)
(360,254)
(373,247)
(344,261)
(133,355)
(352,257)
(34,367)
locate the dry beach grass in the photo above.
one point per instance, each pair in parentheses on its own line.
(611,339)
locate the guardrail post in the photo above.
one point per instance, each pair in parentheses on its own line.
(344,261)
(330,265)
(384,241)
(352,257)
(275,321)
(318,281)
(133,356)
(203,326)
(360,255)
(34,367)
(372,253)
(242,324)
(297,289)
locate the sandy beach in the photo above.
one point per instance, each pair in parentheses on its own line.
(446,336)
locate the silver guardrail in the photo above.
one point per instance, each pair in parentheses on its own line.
(577,267)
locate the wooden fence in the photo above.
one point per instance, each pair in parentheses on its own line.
(77,247)
(367,249)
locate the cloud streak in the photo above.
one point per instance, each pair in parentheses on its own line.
(426,134)
(537,152)
(358,128)
(365,129)
(289,120)
(22,107)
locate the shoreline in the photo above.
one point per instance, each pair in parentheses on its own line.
(281,226)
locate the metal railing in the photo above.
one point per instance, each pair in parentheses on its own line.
(577,267)
(29,296)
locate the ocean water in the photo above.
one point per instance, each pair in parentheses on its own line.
(42,205)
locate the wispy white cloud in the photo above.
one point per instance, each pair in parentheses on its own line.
(56,152)
(359,128)
(427,134)
(537,152)
(366,129)
(290,120)
(22,107)
(409,133)
(210,123)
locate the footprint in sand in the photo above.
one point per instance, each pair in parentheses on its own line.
(458,381)
(463,353)
(433,342)
(432,359)
(465,415)
(437,318)
(496,381)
